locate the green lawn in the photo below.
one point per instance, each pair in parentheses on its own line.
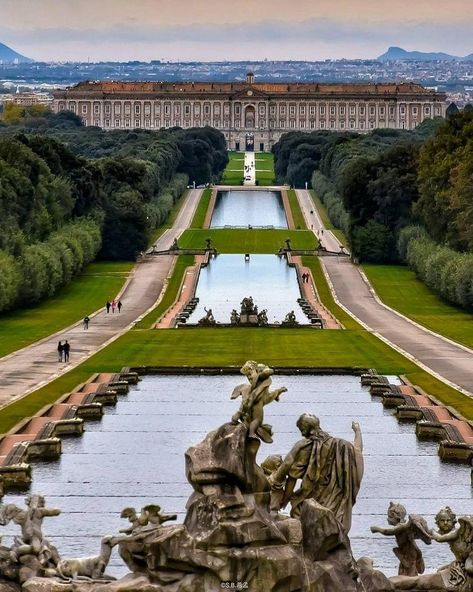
(398,287)
(85,294)
(201,211)
(264,165)
(299,221)
(243,240)
(233,173)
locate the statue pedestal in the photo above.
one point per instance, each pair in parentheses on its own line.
(248,319)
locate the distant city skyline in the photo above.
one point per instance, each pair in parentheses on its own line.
(122,30)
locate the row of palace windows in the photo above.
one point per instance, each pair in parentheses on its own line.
(290,110)
(158,123)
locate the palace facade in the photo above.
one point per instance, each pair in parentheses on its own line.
(251,115)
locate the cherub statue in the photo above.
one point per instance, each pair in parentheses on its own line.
(254,397)
(456,576)
(208,319)
(406,532)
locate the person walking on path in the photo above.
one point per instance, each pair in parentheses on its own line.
(67,349)
(60,351)
(107,306)
(119,305)
(114,305)
(86,323)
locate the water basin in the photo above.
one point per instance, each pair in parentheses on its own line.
(268,278)
(249,208)
(135,456)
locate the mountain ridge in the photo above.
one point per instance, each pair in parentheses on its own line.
(399,54)
(9,55)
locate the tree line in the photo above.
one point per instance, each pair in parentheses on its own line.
(391,188)
(70,195)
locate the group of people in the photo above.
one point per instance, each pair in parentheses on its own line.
(305,278)
(63,350)
(113,305)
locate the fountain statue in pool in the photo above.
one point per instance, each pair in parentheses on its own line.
(235,534)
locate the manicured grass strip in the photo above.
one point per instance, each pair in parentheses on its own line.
(233,173)
(264,165)
(399,288)
(243,240)
(87,293)
(299,221)
(201,211)
(433,386)
(322,210)
(183,262)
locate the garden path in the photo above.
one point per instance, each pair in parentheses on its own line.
(451,362)
(36,365)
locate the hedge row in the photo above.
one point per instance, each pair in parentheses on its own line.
(45,266)
(332,201)
(447,272)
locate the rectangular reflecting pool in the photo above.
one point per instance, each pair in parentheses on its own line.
(135,456)
(249,208)
(228,279)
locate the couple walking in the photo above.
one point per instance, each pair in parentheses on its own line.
(113,305)
(305,278)
(63,350)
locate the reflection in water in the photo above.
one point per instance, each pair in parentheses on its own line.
(249,208)
(135,456)
(229,278)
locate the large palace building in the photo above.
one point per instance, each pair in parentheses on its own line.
(251,115)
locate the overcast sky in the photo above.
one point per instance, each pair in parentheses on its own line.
(232,30)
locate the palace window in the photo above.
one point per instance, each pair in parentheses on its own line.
(332,124)
(302,123)
(107,108)
(312,123)
(167,123)
(137,108)
(187,109)
(127,109)
(196,108)
(167,109)
(157,123)
(301,109)
(362,111)
(237,109)
(147,123)
(127,123)
(352,109)
(96,109)
(137,123)
(147,109)
(391,111)
(216,122)
(177,108)
(272,123)
(292,110)
(272,109)
(282,123)
(206,109)
(362,125)
(282,110)
(332,109)
(372,110)
(372,124)
(177,123)
(96,122)
(117,108)
(262,110)
(381,111)
(312,110)
(342,124)
(157,108)
(237,123)
(352,124)
(84,109)
(342,110)
(117,123)
(322,125)
(107,123)
(414,110)
(72,107)
(217,109)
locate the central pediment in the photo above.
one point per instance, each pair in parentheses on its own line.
(250,92)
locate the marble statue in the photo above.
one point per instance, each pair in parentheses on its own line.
(92,568)
(290,319)
(263,317)
(406,532)
(31,554)
(255,396)
(330,470)
(234,317)
(208,319)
